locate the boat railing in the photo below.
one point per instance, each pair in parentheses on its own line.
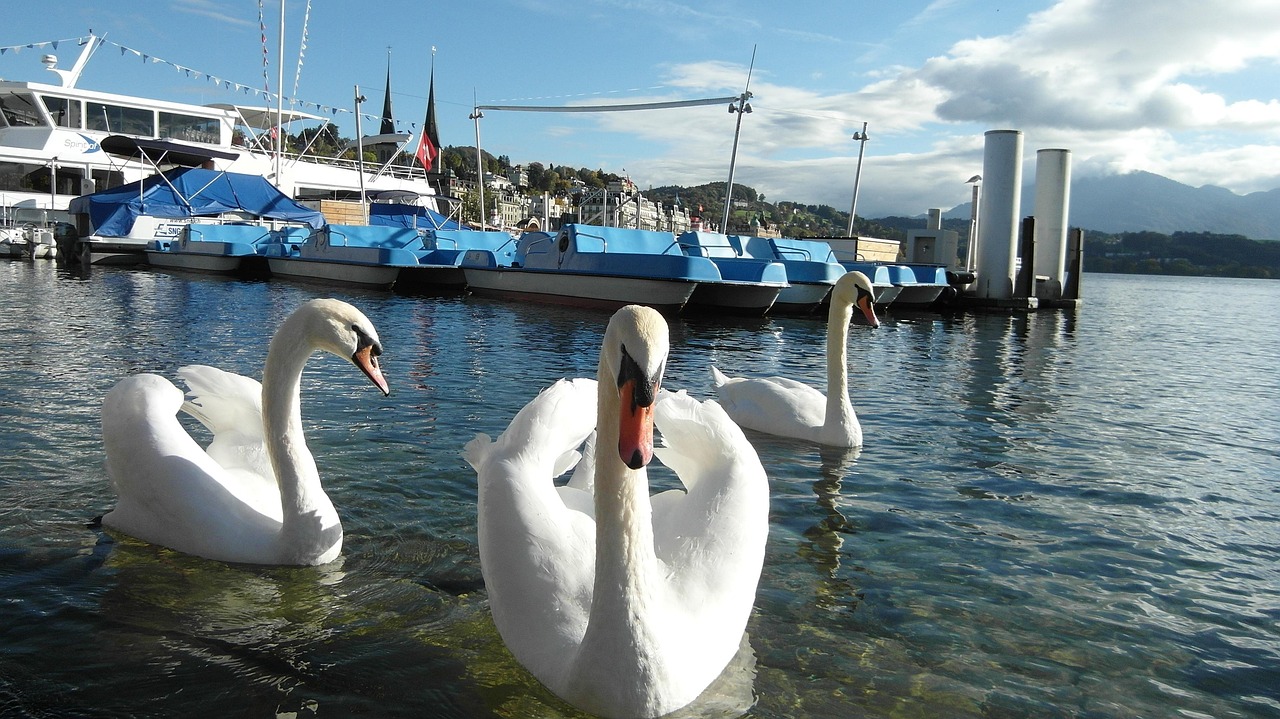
(531,247)
(804,255)
(397,171)
(439,239)
(604,244)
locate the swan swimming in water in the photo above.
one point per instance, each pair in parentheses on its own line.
(785,407)
(624,605)
(254,495)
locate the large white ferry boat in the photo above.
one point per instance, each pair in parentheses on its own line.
(51,146)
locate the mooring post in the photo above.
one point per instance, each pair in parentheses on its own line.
(1026,284)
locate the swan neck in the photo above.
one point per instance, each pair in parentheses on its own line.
(301,495)
(626,566)
(839,408)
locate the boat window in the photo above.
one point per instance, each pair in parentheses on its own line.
(120,119)
(106,179)
(63,111)
(20,110)
(191,128)
(34,177)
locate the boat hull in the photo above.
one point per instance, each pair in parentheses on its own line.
(580,290)
(801,298)
(195,262)
(346,273)
(733,298)
(919,295)
(431,280)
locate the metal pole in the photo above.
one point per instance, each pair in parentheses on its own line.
(476,115)
(861,137)
(280,98)
(359,149)
(972,252)
(741,108)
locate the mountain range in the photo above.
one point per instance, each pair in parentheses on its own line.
(1143,201)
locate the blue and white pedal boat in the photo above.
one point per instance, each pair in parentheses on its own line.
(213,248)
(747,285)
(590,266)
(355,255)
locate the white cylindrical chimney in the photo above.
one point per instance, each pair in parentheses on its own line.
(935,219)
(1053,199)
(998,215)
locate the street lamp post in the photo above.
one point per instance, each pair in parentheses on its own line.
(862,138)
(476,115)
(741,107)
(364,212)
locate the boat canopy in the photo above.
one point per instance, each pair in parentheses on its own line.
(190,192)
(412,216)
(163,152)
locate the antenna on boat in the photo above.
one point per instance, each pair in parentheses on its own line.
(69,78)
(742,107)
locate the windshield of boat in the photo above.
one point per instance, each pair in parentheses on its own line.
(19,109)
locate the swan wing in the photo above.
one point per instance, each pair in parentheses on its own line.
(537,553)
(712,537)
(170,491)
(230,406)
(777,405)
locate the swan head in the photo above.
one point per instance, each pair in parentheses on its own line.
(854,289)
(338,328)
(632,361)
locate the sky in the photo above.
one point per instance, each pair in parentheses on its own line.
(1188,90)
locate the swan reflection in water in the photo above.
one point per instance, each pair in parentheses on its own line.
(827,537)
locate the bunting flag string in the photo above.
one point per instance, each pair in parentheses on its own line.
(262,27)
(302,50)
(15,49)
(199,75)
(188,71)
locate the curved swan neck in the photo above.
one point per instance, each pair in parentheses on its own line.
(624,527)
(300,492)
(839,408)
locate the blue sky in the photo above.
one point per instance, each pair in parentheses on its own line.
(1183,89)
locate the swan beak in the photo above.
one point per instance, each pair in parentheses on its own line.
(635,426)
(866,303)
(366,358)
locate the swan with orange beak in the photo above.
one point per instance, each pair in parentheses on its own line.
(622,603)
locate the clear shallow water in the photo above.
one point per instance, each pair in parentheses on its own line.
(1055,515)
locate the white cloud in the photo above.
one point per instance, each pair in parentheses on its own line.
(1126,86)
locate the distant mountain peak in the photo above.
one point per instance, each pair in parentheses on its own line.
(1144,201)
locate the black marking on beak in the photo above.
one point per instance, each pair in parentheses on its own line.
(646,388)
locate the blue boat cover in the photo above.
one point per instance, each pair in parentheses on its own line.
(414,217)
(195,192)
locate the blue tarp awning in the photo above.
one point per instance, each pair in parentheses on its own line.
(412,216)
(189,192)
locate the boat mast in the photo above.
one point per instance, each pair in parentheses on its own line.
(69,78)
(279,140)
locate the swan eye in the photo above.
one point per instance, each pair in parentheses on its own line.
(364,340)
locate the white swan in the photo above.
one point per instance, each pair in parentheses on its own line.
(228,503)
(785,407)
(624,605)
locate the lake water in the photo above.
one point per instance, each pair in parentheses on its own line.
(1055,515)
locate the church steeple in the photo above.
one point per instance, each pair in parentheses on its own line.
(388,122)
